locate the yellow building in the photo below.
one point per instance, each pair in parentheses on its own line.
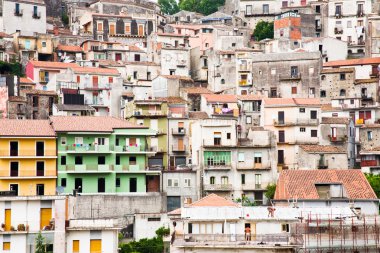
(27,157)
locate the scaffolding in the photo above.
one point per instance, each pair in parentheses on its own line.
(330,233)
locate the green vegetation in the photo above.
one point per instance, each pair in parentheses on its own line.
(65,19)
(263,30)
(169,7)
(374,181)
(154,245)
(40,244)
(245,201)
(10,68)
(270,191)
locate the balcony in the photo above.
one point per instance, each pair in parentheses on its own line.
(338,30)
(142,113)
(253,187)
(337,139)
(253,166)
(156,149)
(88,148)
(338,15)
(244,67)
(89,168)
(97,87)
(36,15)
(323,164)
(179,148)
(294,76)
(215,144)
(218,187)
(28,153)
(296,122)
(182,167)
(178,131)
(368,163)
(131,149)
(360,13)
(18,12)
(244,82)
(367,97)
(225,112)
(318,28)
(218,167)
(44,79)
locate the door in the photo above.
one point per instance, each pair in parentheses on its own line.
(141,30)
(45,217)
(281,136)
(75,246)
(101,184)
(233,232)
(117,57)
(78,184)
(152,183)
(96,246)
(280,156)
(13,148)
(180,145)
(112,29)
(14,188)
(95,81)
(133,184)
(8,219)
(14,169)
(281,117)
(40,147)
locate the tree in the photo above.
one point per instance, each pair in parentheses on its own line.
(154,245)
(65,19)
(270,191)
(40,243)
(206,7)
(168,6)
(263,30)
(374,181)
(10,68)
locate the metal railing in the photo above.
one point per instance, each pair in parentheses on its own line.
(27,152)
(89,167)
(218,187)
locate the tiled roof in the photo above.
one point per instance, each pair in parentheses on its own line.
(41,92)
(176,100)
(335,120)
(5,35)
(198,115)
(329,108)
(89,124)
(70,48)
(177,77)
(134,48)
(63,107)
(300,184)
(197,90)
(213,200)
(221,98)
(127,94)
(323,149)
(26,80)
(172,35)
(371,126)
(292,101)
(175,212)
(53,65)
(98,71)
(145,63)
(371,80)
(353,62)
(17,99)
(249,97)
(13,127)
(337,70)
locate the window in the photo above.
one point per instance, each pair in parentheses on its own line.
(352,101)
(294,71)
(40,167)
(187,182)
(78,160)
(302,129)
(134,74)
(132,160)
(314,133)
(294,90)
(40,189)
(228,136)
(242,178)
(338,10)
(248,120)
(312,91)
(6,246)
(241,157)
(369,135)
(285,227)
(118,182)
(248,10)
(323,77)
(100,26)
(101,160)
(217,138)
(313,114)
(35,101)
(284,3)
(257,179)
(63,182)
(217,158)
(318,9)
(342,76)
(342,92)
(43,43)
(112,29)
(172,72)
(265,8)
(323,93)
(14,169)
(224,180)
(233,44)
(212,180)
(173,182)
(63,140)
(258,157)
(127,28)
(137,57)
(302,110)
(273,71)
(117,160)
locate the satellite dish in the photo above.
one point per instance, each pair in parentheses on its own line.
(60,189)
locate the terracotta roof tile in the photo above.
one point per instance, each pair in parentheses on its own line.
(213,200)
(98,71)
(134,48)
(13,127)
(70,48)
(300,184)
(177,77)
(89,124)
(293,101)
(197,90)
(175,212)
(53,65)
(335,120)
(221,98)
(26,80)
(249,97)
(371,80)
(337,70)
(172,35)
(5,35)
(322,149)
(353,62)
(371,126)
(198,115)
(41,92)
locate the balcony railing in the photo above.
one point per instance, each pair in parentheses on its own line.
(148,113)
(178,131)
(338,30)
(156,149)
(294,76)
(367,163)
(28,153)
(323,164)
(36,15)
(226,112)
(338,138)
(253,166)
(179,148)
(360,13)
(88,148)
(296,122)
(253,187)
(221,166)
(89,168)
(218,187)
(18,13)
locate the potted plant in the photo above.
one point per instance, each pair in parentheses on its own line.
(21,227)
(13,228)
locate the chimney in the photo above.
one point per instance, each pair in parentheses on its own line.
(55,30)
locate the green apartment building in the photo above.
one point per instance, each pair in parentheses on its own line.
(103,155)
(152,113)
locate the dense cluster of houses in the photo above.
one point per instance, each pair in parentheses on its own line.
(126,120)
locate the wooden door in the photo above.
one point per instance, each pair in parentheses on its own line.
(45,217)
(75,246)
(180,144)
(95,81)
(141,30)
(96,246)
(8,219)
(112,29)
